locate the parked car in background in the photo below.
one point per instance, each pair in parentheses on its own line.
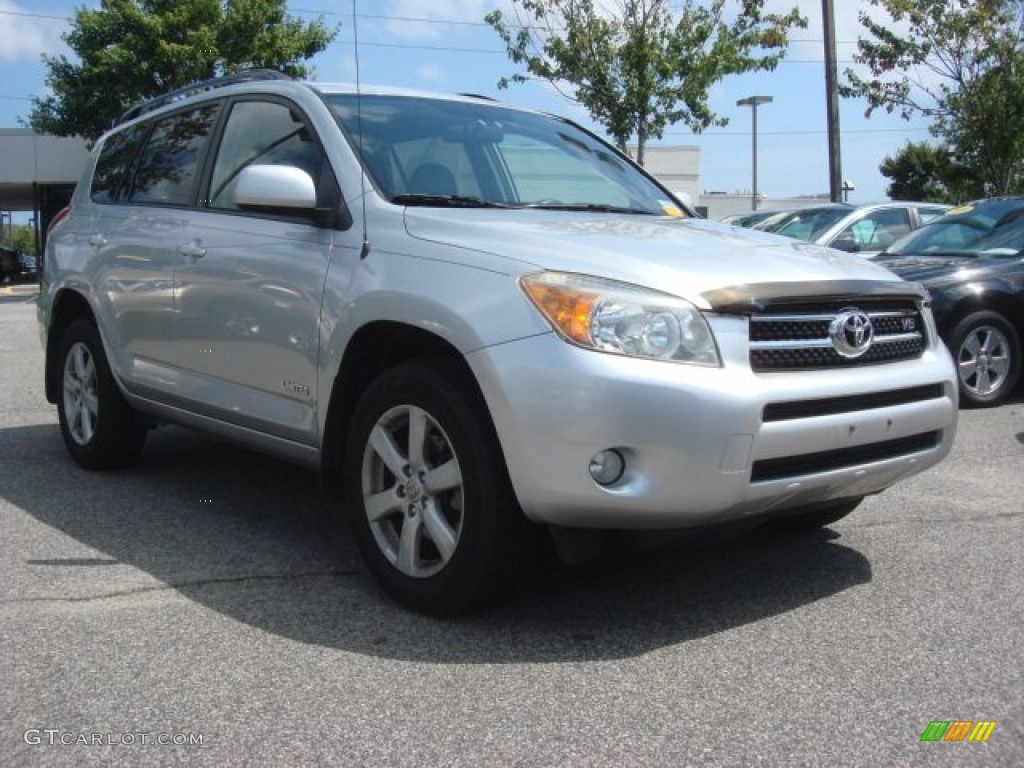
(17,267)
(749,219)
(8,264)
(861,229)
(959,228)
(977,295)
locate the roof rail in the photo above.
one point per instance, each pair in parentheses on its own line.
(244,76)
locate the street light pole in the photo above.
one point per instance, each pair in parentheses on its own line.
(835,157)
(753,102)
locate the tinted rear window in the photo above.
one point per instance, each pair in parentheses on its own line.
(113,164)
(167,169)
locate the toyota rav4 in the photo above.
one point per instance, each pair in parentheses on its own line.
(477,321)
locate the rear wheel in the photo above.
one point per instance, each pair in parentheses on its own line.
(100,429)
(431,505)
(987,352)
(817,517)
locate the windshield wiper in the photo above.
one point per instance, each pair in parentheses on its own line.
(442,201)
(588,207)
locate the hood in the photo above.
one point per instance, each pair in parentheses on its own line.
(689,258)
(936,269)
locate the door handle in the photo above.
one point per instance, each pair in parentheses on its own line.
(97,240)
(193,250)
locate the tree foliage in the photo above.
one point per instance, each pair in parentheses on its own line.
(641,66)
(922,171)
(19,237)
(129,50)
(960,62)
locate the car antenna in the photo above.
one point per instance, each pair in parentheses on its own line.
(364,250)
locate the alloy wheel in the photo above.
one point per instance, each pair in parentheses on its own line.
(412,491)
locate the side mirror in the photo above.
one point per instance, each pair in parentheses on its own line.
(846,243)
(275,186)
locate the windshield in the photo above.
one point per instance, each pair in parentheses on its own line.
(424,151)
(805,224)
(941,236)
(1005,240)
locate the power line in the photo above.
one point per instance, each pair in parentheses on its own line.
(382,17)
(405,46)
(27,14)
(798,132)
(708,134)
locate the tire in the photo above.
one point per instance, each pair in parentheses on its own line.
(438,526)
(987,353)
(100,429)
(817,517)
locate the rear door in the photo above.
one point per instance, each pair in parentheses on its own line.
(143,189)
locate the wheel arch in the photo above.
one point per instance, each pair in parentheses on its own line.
(995,301)
(68,305)
(375,347)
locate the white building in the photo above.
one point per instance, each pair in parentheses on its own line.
(38,173)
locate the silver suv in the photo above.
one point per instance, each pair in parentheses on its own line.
(479,322)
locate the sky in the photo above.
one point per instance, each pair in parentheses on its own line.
(444,45)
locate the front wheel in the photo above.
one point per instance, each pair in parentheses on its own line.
(987,352)
(431,505)
(100,429)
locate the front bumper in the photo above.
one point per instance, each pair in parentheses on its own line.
(700,447)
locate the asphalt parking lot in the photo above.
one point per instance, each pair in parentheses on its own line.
(198,610)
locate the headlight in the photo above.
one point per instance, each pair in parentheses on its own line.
(621,318)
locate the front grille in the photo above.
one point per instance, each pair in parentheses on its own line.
(828,406)
(789,467)
(791,340)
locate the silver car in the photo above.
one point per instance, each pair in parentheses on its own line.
(862,229)
(479,322)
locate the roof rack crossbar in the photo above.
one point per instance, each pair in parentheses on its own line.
(192,89)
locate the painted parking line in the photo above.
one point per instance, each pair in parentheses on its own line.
(28,291)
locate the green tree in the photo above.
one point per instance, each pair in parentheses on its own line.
(643,66)
(958,62)
(922,171)
(129,50)
(985,125)
(19,238)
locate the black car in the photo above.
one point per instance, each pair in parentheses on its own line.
(958,229)
(17,267)
(977,294)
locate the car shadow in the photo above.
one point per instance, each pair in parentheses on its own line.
(246,536)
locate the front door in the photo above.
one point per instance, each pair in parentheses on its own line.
(249,285)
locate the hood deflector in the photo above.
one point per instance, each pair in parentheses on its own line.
(755,298)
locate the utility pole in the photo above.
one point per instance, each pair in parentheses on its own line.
(753,102)
(835,161)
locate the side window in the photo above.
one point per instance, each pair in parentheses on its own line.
(261,133)
(879,229)
(113,164)
(166,172)
(928,214)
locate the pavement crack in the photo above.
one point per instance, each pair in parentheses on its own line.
(896,522)
(184,585)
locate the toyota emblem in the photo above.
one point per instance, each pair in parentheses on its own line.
(851,333)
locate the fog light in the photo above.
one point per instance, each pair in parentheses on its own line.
(607,467)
